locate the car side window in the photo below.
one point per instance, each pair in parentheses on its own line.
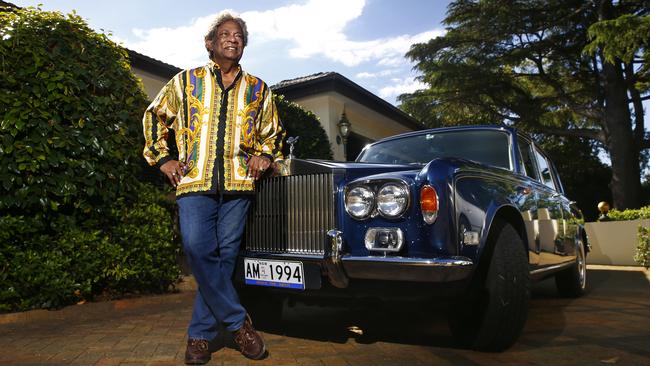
(526,158)
(545,170)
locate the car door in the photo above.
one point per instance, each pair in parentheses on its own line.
(571,216)
(528,193)
(549,213)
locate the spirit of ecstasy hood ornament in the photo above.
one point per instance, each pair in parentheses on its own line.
(292,141)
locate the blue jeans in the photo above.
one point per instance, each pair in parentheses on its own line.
(212,227)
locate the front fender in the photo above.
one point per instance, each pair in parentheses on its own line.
(481,196)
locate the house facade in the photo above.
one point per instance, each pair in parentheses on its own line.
(330,96)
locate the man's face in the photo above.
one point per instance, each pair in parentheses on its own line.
(228,43)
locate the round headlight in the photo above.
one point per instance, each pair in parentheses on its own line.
(359,202)
(392,199)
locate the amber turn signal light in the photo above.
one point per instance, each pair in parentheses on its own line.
(429,203)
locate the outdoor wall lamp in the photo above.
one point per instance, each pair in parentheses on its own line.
(344,132)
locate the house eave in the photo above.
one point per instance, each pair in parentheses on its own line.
(151,65)
(335,82)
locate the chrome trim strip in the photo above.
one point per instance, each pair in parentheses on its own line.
(552,268)
(442,269)
(287,256)
(440,262)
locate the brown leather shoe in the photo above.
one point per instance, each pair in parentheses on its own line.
(249,341)
(197,352)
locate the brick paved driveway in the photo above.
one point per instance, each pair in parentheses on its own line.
(609,326)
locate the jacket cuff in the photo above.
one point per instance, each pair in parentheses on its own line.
(163,160)
(268,156)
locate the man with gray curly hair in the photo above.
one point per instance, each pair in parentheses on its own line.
(227,135)
(223,17)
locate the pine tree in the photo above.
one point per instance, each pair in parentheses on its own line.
(562,67)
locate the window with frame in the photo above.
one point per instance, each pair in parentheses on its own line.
(526,157)
(545,170)
(491,147)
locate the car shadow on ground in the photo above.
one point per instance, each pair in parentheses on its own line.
(412,322)
(406,322)
(424,323)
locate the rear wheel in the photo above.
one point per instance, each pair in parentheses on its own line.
(492,315)
(572,282)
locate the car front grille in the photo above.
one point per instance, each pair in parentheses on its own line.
(291,214)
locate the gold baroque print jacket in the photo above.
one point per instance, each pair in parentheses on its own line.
(216,129)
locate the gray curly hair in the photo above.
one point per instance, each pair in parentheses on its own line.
(221,18)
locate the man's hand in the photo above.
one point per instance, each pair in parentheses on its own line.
(174,171)
(257,165)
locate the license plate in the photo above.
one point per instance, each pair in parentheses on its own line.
(264,272)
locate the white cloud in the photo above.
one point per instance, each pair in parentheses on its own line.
(401,86)
(373,75)
(181,46)
(313,29)
(317,29)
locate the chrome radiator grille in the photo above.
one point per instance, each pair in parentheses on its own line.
(291,214)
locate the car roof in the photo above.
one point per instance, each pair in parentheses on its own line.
(449,129)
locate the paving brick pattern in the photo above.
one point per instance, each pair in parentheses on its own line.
(609,326)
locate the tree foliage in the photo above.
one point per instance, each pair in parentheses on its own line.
(74,220)
(533,64)
(313,142)
(625,38)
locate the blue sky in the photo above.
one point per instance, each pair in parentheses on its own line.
(364,40)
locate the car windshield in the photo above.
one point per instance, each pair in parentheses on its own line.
(482,146)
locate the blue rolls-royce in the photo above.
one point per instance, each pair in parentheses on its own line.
(473,214)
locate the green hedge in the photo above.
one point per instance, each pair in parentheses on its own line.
(70,112)
(51,264)
(313,142)
(75,221)
(642,255)
(641,213)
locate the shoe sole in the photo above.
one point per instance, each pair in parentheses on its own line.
(258,356)
(196,362)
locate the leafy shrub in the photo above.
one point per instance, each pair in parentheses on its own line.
(57,263)
(46,270)
(313,142)
(148,247)
(641,213)
(70,112)
(642,255)
(74,219)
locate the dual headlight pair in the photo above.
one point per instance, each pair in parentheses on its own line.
(390,199)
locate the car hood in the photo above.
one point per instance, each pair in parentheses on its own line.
(352,169)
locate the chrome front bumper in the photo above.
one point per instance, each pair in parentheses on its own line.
(341,268)
(408,269)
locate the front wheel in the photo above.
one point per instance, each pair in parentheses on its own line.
(572,282)
(492,315)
